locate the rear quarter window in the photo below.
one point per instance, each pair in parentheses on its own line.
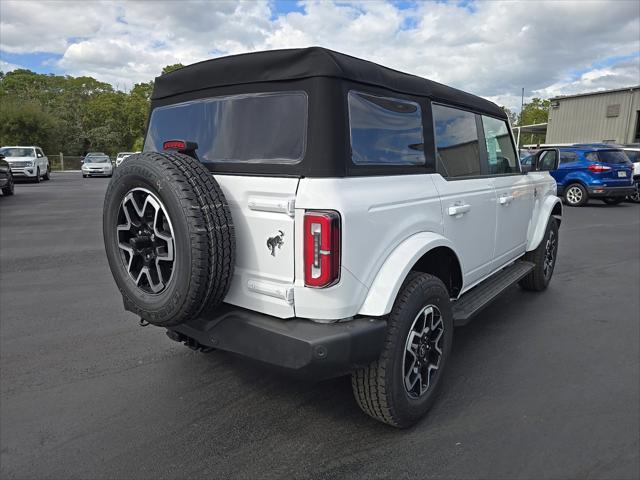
(250,128)
(568,157)
(385,131)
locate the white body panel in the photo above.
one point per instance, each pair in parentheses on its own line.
(378,214)
(469,211)
(387,224)
(261,208)
(513,214)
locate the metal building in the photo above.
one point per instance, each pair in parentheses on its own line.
(611,116)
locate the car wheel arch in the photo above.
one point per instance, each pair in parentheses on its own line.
(426,252)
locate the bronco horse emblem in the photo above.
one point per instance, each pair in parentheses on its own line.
(274,242)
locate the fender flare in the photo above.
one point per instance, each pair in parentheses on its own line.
(546,212)
(396,267)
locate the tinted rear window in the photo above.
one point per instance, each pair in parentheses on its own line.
(613,156)
(633,155)
(253,128)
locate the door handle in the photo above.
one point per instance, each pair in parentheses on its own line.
(458,210)
(505,199)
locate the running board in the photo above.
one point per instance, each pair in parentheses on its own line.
(479,297)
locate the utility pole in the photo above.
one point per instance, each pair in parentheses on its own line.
(521,106)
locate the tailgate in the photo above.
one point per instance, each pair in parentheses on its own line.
(620,175)
(263,216)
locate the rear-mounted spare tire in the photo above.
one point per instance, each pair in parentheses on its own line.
(169,237)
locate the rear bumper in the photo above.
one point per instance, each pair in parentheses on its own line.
(611,191)
(298,346)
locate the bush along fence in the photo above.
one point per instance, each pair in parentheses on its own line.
(60,162)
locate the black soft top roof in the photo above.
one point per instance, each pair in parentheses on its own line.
(299,63)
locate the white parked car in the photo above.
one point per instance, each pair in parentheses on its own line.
(121,156)
(95,165)
(633,152)
(28,162)
(337,217)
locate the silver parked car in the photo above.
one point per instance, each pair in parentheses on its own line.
(97,166)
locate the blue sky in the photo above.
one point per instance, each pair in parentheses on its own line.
(490,48)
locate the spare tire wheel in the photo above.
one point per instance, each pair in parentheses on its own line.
(169,237)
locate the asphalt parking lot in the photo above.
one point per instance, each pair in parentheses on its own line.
(540,386)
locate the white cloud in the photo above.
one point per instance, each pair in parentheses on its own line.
(8,67)
(492,51)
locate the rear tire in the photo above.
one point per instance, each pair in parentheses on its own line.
(613,200)
(575,195)
(382,389)
(635,198)
(47,175)
(169,237)
(544,258)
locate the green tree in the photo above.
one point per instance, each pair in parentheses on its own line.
(26,123)
(171,68)
(536,111)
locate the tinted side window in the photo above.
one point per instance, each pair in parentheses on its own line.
(591,157)
(500,152)
(252,128)
(385,131)
(547,160)
(567,157)
(457,145)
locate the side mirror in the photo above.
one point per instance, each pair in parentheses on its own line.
(39,155)
(2,157)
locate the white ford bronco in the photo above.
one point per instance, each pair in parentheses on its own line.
(327,216)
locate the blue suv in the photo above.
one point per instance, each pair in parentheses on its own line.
(590,171)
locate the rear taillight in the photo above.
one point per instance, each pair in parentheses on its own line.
(321,248)
(598,168)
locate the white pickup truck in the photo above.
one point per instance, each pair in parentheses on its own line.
(327,216)
(27,162)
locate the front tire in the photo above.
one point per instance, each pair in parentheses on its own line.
(575,195)
(37,177)
(613,200)
(544,258)
(401,386)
